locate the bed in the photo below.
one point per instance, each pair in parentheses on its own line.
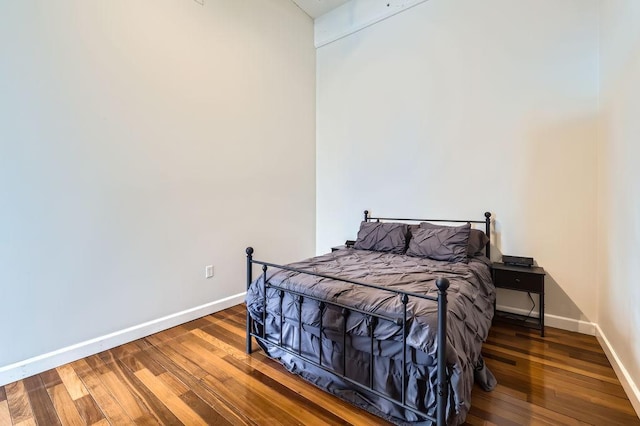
(393,324)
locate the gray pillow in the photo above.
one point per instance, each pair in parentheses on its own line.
(477,243)
(447,243)
(477,239)
(382,236)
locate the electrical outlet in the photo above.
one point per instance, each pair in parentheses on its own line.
(208,271)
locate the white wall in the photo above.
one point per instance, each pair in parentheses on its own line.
(619,184)
(140,141)
(452,108)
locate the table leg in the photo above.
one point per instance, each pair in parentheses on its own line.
(542,314)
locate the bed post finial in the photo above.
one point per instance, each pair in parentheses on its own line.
(366,215)
(249,251)
(442,284)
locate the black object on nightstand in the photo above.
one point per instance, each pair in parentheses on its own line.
(529,279)
(347,244)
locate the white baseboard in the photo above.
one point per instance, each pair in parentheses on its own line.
(569,324)
(40,363)
(630,387)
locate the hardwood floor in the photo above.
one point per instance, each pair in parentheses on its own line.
(198,373)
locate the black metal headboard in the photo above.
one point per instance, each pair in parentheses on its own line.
(486,221)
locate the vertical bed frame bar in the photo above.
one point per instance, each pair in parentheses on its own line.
(372,326)
(443,382)
(264,308)
(249,280)
(321,307)
(405,300)
(300,300)
(487,231)
(281,297)
(345,315)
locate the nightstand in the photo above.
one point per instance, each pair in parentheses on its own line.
(530,280)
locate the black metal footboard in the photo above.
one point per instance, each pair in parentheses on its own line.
(442,387)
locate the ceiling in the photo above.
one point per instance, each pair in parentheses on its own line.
(315,8)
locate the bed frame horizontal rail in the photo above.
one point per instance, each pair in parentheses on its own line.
(426,220)
(368,217)
(346,280)
(486,222)
(397,321)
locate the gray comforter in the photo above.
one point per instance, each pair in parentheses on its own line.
(470,310)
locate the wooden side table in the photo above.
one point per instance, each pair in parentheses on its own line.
(530,280)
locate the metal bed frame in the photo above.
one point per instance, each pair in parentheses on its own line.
(442,388)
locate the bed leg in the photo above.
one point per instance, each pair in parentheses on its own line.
(249,252)
(443,383)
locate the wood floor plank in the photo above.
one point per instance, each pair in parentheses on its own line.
(179,359)
(74,385)
(18,401)
(109,406)
(204,410)
(50,378)
(121,388)
(191,325)
(89,410)
(44,412)
(64,406)
(3,394)
(169,334)
(165,355)
(172,401)
(220,332)
(122,351)
(261,412)
(120,391)
(472,420)
(149,363)
(176,386)
(5,416)
(28,422)
(155,405)
(492,417)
